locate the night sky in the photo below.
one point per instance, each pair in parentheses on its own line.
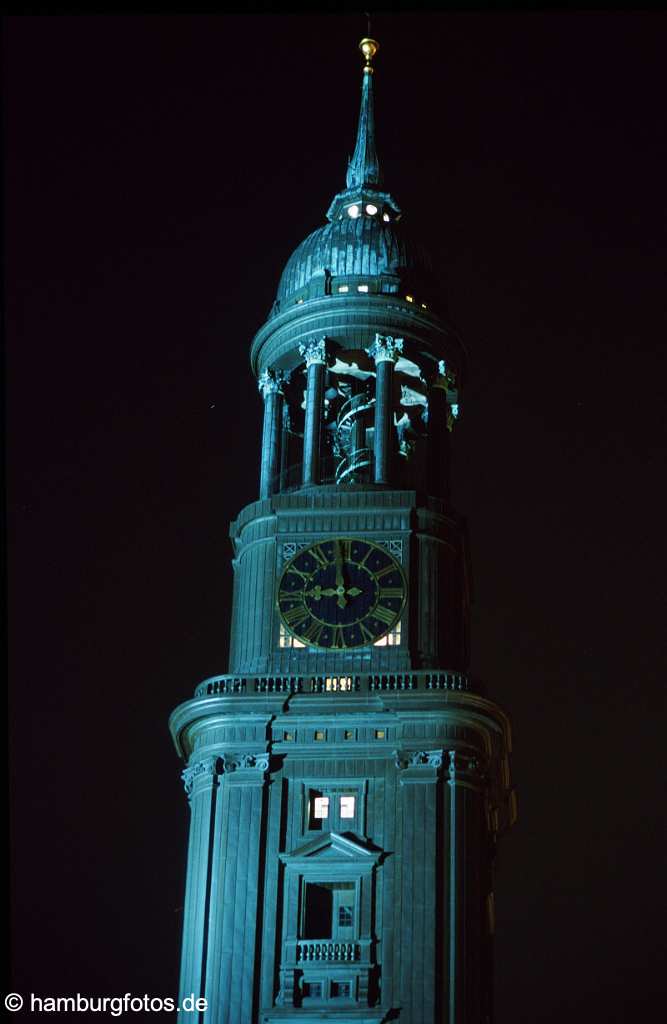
(159,171)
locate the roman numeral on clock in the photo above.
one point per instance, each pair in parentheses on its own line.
(319,556)
(385,615)
(294,615)
(313,633)
(391,592)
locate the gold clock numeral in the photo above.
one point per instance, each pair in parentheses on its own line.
(313,633)
(379,573)
(338,638)
(391,592)
(368,553)
(384,614)
(293,615)
(319,556)
(366,633)
(298,572)
(289,595)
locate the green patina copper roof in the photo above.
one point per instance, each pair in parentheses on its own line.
(364,246)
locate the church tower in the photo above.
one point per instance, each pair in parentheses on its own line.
(347,779)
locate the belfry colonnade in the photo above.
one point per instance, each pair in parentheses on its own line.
(318,355)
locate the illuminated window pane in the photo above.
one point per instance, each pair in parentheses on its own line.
(343,288)
(321,807)
(385,216)
(370,209)
(380,734)
(409,298)
(353,211)
(347,807)
(320,734)
(390,639)
(285,638)
(338,683)
(349,734)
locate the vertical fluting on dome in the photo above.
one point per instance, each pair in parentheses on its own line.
(364,167)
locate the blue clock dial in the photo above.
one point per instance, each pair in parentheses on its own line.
(341,593)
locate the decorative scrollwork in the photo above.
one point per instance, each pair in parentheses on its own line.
(385,348)
(314,352)
(209,766)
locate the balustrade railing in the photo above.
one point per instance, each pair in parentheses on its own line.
(342,686)
(331,952)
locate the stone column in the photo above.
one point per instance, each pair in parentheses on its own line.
(418,925)
(315,354)
(201,783)
(438,446)
(465,845)
(232,961)
(384,351)
(270,385)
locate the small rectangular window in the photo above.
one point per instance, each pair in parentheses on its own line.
(347,807)
(320,734)
(345,919)
(380,734)
(341,989)
(362,287)
(312,990)
(285,638)
(321,807)
(343,288)
(348,734)
(288,737)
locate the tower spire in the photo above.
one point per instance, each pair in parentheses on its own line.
(364,167)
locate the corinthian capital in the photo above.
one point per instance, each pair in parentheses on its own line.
(271,382)
(385,348)
(314,351)
(207,768)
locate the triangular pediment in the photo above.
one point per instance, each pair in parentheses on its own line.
(334,847)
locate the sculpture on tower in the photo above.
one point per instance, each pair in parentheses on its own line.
(347,779)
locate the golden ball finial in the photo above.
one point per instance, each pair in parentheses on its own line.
(369,47)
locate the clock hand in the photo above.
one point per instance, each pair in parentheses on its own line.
(318,592)
(340,582)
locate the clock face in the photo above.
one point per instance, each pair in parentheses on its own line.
(341,593)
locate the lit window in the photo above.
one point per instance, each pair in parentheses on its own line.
(338,683)
(409,298)
(370,209)
(343,288)
(285,638)
(380,734)
(320,734)
(299,301)
(390,639)
(455,410)
(424,306)
(347,807)
(348,734)
(288,737)
(385,216)
(321,807)
(353,211)
(362,287)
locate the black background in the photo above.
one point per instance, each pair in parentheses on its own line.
(159,171)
